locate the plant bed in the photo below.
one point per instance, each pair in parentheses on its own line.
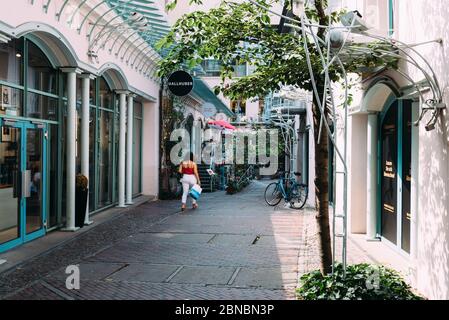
(234,186)
(362,282)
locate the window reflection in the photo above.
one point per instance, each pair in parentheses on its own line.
(42,107)
(11,61)
(137,126)
(106,95)
(11,101)
(41,74)
(105,158)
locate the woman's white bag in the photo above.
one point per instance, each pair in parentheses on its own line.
(195,192)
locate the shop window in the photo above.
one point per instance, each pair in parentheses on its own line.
(92,162)
(41,74)
(137,148)
(11,101)
(42,107)
(212,68)
(105,158)
(11,62)
(137,169)
(116,155)
(106,95)
(138,110)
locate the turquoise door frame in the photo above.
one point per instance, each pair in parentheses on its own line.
(23,126)
(400,125)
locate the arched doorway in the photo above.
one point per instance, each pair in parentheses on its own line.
(395,157)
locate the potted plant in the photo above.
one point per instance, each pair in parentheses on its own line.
(81,195)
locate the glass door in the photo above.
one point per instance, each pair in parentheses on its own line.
(22,182)
(10,185)
(34,175)
(396,174)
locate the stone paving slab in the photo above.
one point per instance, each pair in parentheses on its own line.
(197,254)
(272,278)
(204,275)
(147,237)
(155,252)
(155,273)
(122,290)
(233,239)
(90,271)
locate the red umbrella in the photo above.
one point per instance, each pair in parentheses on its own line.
(221,124)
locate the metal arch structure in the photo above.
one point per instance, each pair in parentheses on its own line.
(331,57)
(94,25)
(136,48)
(149,28)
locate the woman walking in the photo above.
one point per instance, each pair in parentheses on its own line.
(190,177)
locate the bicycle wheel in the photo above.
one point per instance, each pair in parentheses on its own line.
(273,194)
(298,197)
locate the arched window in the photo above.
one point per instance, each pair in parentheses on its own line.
(105,144)
(11,75)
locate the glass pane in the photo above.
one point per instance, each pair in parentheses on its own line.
(138,109)
(9,184)
(34,166)
(11,61)
(42,107)
(92,126)
(116,146)
(389,174)
(78,140)
(79,91)
(105,158)
(93,93)
(106,95)
(53,177)
(11,101)
(136,156)
(41,74)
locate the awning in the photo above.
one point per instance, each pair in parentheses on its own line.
(203,91)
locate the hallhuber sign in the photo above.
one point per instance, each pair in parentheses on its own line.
(180,83)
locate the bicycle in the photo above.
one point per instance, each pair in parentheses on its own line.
(293,192)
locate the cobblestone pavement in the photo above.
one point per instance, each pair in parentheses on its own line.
(232,247)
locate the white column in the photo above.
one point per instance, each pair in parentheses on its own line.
(371,221)
(85,119)
(70,147)
(129,151)
(122,150)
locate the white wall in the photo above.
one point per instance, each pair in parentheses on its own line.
(150,149)
(424,20)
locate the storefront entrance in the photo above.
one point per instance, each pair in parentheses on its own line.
(23,181)
(395,169)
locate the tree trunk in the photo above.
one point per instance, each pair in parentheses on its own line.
(322,191)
